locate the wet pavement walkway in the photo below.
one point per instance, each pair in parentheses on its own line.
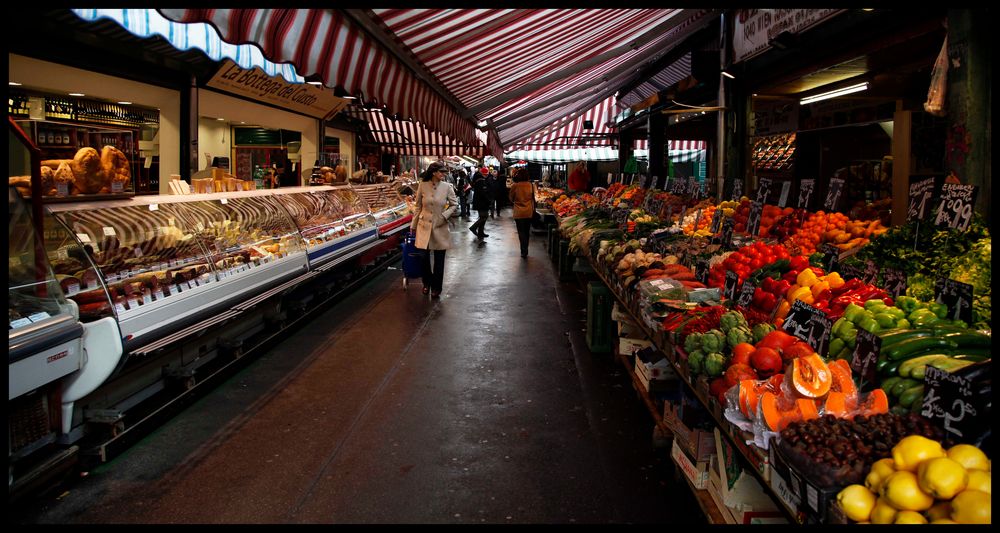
(484,406)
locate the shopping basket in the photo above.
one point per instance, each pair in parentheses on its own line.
(412,259)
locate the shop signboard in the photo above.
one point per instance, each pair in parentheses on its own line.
(755,28)
(255,84)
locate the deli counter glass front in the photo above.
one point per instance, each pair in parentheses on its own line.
(389,207)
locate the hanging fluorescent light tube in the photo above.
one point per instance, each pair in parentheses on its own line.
(833,94)
(728,75)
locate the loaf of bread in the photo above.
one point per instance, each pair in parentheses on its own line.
(88,171)
(116,169)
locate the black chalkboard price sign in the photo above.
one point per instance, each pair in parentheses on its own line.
(957,296)
(894,281)
(763,190)
(746,294)
(737,189)
(716,221)
(833,194)
(871,272)
(809,324)
(753,220)
(786,187)
(849,272)
(729,289)
(955,209)
(831,257)
(806,188)
(920,196)
(692,186)
(727,233)
(679,186)
(950,400)
(865,356)
(701,270)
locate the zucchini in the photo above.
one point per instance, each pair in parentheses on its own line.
(902,385)
(911,395)
(880,364)
(971,357)
(907,368)
(897,336)
(969,339)
(911,346)
(892,369)
(888,383)
(949,365)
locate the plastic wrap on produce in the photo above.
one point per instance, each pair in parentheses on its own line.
(732,413)
(651,287)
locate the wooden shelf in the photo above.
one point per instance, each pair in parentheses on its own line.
(707,504)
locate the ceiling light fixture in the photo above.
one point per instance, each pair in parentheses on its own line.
(728,75)
(77,94)
(835,93)
(220,118)
(13,84)
(314,80)
(125,103)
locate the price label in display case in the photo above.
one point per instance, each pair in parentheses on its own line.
(955,209)
(894,281)
(865,355)
(809,324)
(729,289)
(763,190)
(746,294)
(831,257)
(921,193)
(753,220)
(951,400)
(833,194)
(806,188)
(957,296)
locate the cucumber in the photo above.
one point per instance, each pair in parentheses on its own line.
(910,346)
(892,369)
(880,364)
(902,385)
(906,369)
(911,395)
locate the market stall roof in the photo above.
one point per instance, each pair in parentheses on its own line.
(408,137)
(680,152)
(514,71)
(669,75)
(587,128)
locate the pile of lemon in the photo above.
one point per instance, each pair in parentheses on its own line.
(923,483)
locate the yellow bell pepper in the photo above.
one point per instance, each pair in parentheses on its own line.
(783,309)
(834,279)
(818,287)
(806,278)
(802,293)
(792,289)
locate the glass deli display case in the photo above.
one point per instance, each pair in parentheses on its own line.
(320,214)
(160,261)
(390,209)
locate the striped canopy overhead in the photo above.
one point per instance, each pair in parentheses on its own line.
(407,137)
(671,74)
(573,131)
(512,71)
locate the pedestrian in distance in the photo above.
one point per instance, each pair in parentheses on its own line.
(499,190)
(522,197)
(491,183)
(482,199)
(463,189)
(434,204)
(579,178)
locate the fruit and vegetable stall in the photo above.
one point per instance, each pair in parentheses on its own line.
(845,361)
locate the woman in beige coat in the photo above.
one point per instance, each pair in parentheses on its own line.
(434,204)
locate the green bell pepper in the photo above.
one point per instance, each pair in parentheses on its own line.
(852,311)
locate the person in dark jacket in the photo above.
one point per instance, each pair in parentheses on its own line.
(482,199)
(499,191)
(462,189)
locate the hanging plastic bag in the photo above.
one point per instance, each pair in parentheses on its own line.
(939,83)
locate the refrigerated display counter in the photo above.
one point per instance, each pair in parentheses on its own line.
(391,211)
(333,221)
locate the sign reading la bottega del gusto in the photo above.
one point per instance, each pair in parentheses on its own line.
(255,84)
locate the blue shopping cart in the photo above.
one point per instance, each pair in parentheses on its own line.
(412,259)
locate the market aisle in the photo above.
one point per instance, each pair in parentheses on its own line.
(482,407)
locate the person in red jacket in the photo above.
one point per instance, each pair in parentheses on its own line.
(579,178)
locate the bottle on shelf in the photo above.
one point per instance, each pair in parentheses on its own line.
(50,137)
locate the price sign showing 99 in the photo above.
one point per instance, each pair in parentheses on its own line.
(955,210)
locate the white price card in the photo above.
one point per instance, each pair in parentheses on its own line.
(19,323)
(109,231)
(120,308)
(72,289)
(117,187)
(154,207)
(62,189)
(62,254)
(158,294)
(147,297)
(36,317)
(84,238)
(223,201)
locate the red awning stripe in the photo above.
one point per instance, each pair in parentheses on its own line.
(413,138)
(569,133)
(324,42)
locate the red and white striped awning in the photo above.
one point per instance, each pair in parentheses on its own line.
(516,70)
(326,43)
(572,133)
(662,80)
(407,137)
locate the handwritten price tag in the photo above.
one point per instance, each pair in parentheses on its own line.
(809,324)
(894,281)
(746,294)
(753,220)
(732,280)
(950,399)
(737,190)
(833,194)
(957,296)
(764,190)
(865,356)
(955,209)
(806,188)
(920,196)
(786,187)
